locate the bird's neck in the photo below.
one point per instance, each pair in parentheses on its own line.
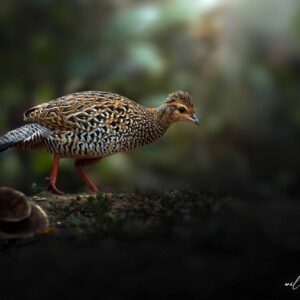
(160,118)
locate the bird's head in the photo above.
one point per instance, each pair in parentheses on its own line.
(180,108)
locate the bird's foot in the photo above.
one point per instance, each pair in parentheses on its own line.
(93,189)
(51,187)
(54,190)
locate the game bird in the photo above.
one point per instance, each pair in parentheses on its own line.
(88,126)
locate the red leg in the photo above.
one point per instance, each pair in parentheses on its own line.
(53,176)
(89,183)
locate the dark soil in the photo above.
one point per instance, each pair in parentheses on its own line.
(156,246)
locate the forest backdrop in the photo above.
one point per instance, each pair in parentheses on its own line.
(238,59)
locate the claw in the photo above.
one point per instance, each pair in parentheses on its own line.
(52,180)
(51,187)
(94,190)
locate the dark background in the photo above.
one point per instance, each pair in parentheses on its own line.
(240,61)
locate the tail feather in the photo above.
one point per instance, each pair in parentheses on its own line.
(4,146)
(5,143)
(28,136)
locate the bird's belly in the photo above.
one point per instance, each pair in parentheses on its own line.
(90,145)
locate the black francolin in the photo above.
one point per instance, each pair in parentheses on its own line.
(88,126)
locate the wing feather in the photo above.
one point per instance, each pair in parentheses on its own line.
(80,111)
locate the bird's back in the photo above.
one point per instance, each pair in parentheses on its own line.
(83,111)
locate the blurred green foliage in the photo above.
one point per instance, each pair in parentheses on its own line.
(238,59)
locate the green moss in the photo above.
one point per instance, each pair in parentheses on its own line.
(136,213)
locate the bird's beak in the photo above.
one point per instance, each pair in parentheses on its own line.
(194,119)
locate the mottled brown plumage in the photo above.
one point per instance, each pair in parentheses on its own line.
(88,126)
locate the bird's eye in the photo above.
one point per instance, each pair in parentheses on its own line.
(182,110)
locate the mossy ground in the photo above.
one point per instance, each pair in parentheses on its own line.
(156,246)
(137,212)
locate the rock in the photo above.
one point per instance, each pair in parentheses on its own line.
(14,206)
(19,218)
